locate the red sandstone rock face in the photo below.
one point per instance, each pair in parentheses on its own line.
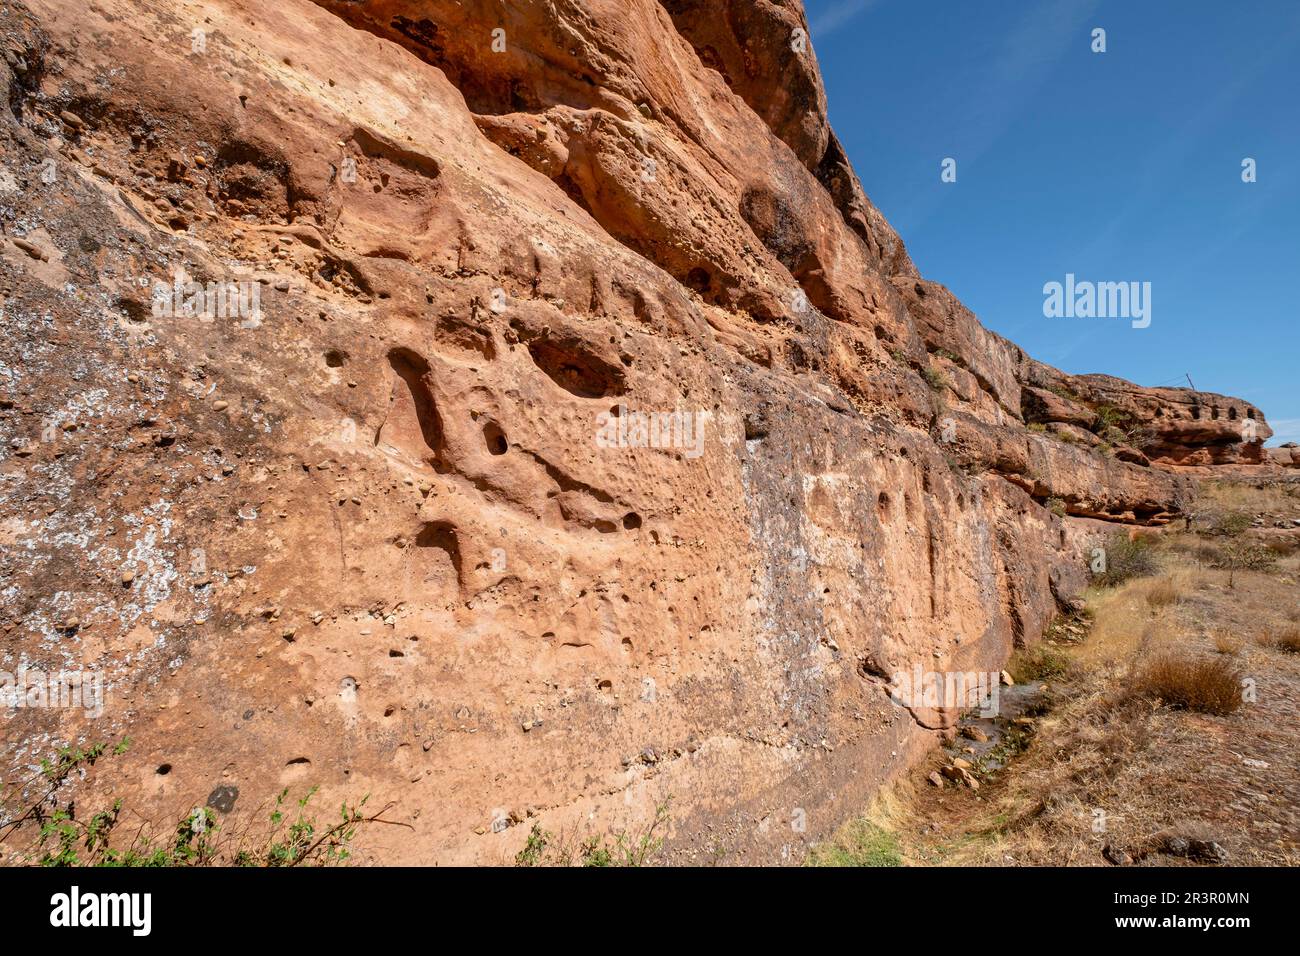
(1288,455)
(397,534)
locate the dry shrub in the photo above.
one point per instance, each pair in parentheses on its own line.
(1244,556)
(1208,685)
(1162,594)
(1225,643)
(1207,554)
(1288,640)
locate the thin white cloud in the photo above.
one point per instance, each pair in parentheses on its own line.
(1284,430)
(1022,62)
(836,15)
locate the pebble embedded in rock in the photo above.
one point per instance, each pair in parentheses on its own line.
(223,798)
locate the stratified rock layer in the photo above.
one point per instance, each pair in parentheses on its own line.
(395,533)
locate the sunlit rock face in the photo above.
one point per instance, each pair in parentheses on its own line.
(517,413)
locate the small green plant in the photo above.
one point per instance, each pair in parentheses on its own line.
(534,851)
(625,849)
(1063,392)
(860,843)
(934,378)
(596,854)
(1108,416)
(1117,427)
(1056,506)
(67,837)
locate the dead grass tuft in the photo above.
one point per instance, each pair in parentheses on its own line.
(1162,593)
(1207,685)
(1288,640)
(1225,643)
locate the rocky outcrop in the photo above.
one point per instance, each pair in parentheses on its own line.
(517,413)
(1287,455)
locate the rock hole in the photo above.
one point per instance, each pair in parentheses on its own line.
(442,536)
(576,370)
(413,424)
(495,438)
(631,521)
(699,279)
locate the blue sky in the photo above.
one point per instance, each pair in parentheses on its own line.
(1116,166)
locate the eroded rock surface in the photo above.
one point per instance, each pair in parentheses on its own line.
(391,531)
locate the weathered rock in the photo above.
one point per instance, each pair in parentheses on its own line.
(507,248)
(1040,405)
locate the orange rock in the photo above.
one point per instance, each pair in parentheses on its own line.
(597,412)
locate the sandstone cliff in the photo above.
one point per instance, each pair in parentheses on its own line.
(390,526)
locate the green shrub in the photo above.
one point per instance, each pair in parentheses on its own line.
(1127,559)
(1041,662)
(1229,523)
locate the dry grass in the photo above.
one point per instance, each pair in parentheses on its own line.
(1162,593)
(1225,643)
(1288,640)
(1206,685)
